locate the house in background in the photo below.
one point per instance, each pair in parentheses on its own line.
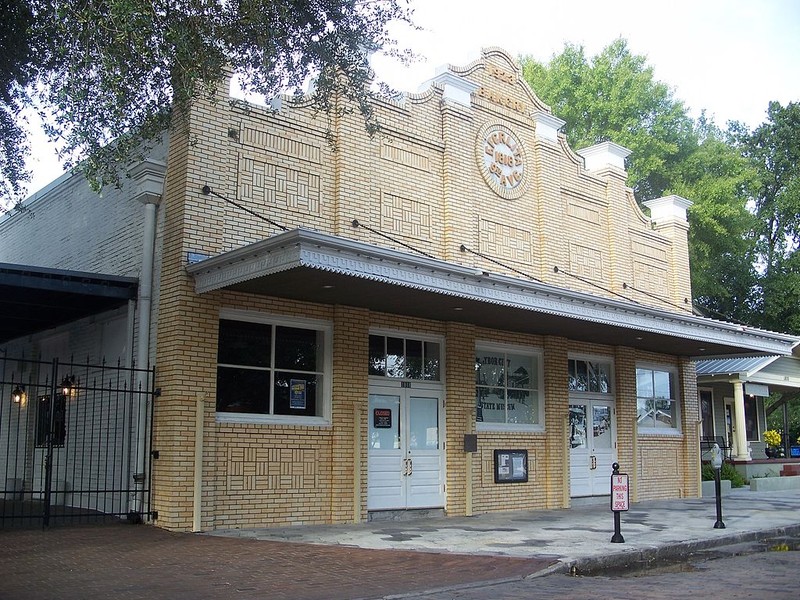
(732,392)
(461,314)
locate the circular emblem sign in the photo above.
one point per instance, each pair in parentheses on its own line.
(502,161)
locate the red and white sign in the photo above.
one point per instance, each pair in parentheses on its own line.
(619,492)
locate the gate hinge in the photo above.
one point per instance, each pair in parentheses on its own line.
(155,454)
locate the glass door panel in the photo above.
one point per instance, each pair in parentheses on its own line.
(601,428)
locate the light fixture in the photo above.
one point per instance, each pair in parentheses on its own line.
(68,385)
(18,395)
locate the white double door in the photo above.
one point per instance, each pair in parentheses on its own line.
(406,449)
(593,446)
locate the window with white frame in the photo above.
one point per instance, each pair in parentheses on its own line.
(507,388)
(272,368)
(657,399)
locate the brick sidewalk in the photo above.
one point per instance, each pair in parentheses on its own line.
(128,562)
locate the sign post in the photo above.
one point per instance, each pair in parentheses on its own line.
(620,500)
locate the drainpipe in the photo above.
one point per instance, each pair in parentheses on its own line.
(149,178)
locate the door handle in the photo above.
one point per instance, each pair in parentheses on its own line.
(410,466)
(407,467)
(594,463)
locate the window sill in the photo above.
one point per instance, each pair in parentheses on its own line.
(652,431)
(254,419)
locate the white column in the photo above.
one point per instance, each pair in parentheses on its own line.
(740,435)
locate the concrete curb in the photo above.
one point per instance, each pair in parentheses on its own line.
(641,558)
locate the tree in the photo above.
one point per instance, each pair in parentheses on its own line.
(122,69)
(773,149)
(614,97)
(15,74)
(716,177)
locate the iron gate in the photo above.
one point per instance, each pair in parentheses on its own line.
(75,442)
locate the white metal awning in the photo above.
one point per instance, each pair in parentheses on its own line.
(316,267)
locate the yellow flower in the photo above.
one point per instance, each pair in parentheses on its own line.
(772,438)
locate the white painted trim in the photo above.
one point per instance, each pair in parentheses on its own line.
(538,354)
(326,327)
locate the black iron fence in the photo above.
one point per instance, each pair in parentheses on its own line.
(75,442)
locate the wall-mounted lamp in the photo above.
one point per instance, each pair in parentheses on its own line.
(68,386)
(18,395)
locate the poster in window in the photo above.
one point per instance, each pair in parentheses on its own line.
(297,394)
(510,466)
(382,418)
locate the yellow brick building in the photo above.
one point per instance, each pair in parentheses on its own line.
(463,277)
(459,314)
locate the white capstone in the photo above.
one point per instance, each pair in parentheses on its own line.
(547,126)
(454,88)
(604,154)
(668,208)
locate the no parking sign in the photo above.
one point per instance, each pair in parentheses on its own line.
(620,498)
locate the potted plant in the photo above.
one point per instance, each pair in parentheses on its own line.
(773,441)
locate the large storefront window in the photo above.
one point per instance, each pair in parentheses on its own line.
(404,358)
(507,389)
(271,368)
(656,400)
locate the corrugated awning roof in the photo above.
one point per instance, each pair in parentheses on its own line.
(316,267)
(733,365)
(34,299)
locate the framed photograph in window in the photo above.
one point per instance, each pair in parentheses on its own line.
(510,466)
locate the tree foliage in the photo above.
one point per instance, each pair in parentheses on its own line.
(614,96)
(745,185)
(773,149)
(716,177)
(16,72)
(120,69)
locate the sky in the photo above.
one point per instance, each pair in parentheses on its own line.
(729,57)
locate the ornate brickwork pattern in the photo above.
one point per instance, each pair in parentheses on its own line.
(281,144)
(262,469)
(406,157)
(649,249)
(649,277)
(504,242)
(585,211)
(660,462)
(403,216)
(261,182)
(586,262)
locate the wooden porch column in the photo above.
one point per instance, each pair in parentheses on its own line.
(740,435)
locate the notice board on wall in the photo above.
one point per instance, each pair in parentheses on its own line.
(510,466)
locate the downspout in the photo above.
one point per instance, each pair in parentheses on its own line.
(143,352)
(149,178)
